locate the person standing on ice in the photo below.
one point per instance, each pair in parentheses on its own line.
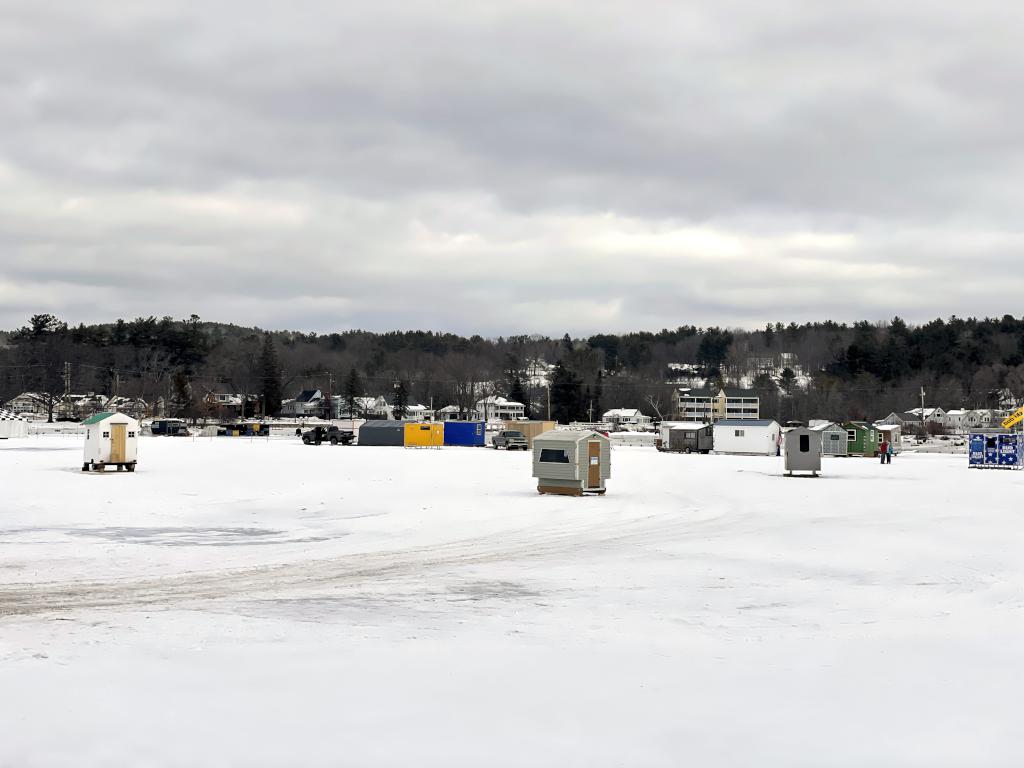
(889,453)
(883,451)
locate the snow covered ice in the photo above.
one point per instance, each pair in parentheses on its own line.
(264,603)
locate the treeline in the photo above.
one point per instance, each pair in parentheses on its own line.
(835,370)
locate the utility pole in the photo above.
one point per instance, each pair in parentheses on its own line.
(590,410)
(67,384)
(924,430)
(549,401)
(330,390)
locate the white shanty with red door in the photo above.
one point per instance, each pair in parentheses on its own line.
(111,439)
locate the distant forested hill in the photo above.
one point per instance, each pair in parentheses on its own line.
(826,369)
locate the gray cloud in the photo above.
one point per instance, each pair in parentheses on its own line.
(509,168)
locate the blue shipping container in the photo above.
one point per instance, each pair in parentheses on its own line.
(464,433)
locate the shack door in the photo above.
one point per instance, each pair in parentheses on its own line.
(594,465)
(117,443)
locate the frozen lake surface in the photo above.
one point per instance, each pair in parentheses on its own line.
(263,603)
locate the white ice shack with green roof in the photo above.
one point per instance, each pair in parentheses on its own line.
(111,439)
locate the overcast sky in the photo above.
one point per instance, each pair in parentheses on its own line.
(509,168)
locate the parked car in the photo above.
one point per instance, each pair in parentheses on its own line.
(332,435)
(510,440)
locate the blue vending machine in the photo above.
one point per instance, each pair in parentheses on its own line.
(1009,450)
(977,451)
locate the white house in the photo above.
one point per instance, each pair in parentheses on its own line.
(931,415)
(629,418)
(308,403)
(111,439)
(28,403)
(452,413)
(416,412)
(757,437)
(497,408)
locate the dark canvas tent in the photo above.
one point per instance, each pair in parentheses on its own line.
(382,432)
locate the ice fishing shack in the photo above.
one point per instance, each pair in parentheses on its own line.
(571,462)
(111,439)
(801,450)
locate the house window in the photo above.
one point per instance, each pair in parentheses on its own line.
(553,456)
(739,433)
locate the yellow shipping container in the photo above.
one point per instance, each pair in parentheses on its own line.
(419,435)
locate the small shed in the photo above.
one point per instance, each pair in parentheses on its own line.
(530,429)
(423,435)
(892,433)
(833,438)
(571,463)
(12,425)
(801,450)
(468,433)
(382,432)
(862,439)
(686,437)
(754,437)
(111,439)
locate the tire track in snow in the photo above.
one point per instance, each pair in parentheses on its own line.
(583,538)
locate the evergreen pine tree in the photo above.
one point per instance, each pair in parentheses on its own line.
(517,394)
(353,390)
(787,380)
(565,395)
(400,400)
(270,370)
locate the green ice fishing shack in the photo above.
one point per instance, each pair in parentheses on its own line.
(862,439)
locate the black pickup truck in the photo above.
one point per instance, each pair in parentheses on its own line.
(332,435)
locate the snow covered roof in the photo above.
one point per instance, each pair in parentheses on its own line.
(927,411)
(686,424)
(622,413)
(747,423)
(498,400)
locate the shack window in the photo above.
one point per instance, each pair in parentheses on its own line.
(131,434)
(739,433)
(554,456)
(851,436)
(106,434)
(990,442)
(805,443)
(424,428)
